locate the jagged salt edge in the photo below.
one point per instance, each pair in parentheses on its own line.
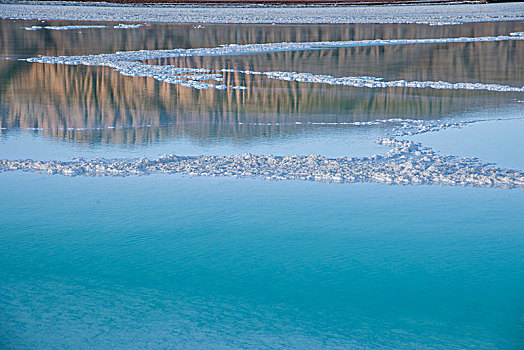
(236,49)
(407,163)
(374,82)
(126,63)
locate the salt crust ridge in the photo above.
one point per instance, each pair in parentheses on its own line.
(407,163)
(119,26)
(126,63)
(374,82)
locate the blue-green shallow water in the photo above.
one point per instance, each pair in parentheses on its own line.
(167,262)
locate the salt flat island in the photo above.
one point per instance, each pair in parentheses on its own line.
(407,163)
(251,177)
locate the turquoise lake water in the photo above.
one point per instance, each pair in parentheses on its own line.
(222,263)
(219,263)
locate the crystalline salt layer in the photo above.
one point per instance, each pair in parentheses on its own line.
(124,62)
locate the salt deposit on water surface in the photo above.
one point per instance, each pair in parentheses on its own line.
(75,27)
(407,163)
(125,63)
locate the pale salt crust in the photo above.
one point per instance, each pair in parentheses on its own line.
(373,82)
(63,27)
(426,14)
(128,26)
(125,63)
(120,26)
(407,163)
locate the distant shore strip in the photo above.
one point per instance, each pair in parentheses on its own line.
(445,14)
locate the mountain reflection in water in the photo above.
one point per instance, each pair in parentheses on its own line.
(110,108)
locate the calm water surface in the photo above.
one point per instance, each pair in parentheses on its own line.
(180,262)
(196,262)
